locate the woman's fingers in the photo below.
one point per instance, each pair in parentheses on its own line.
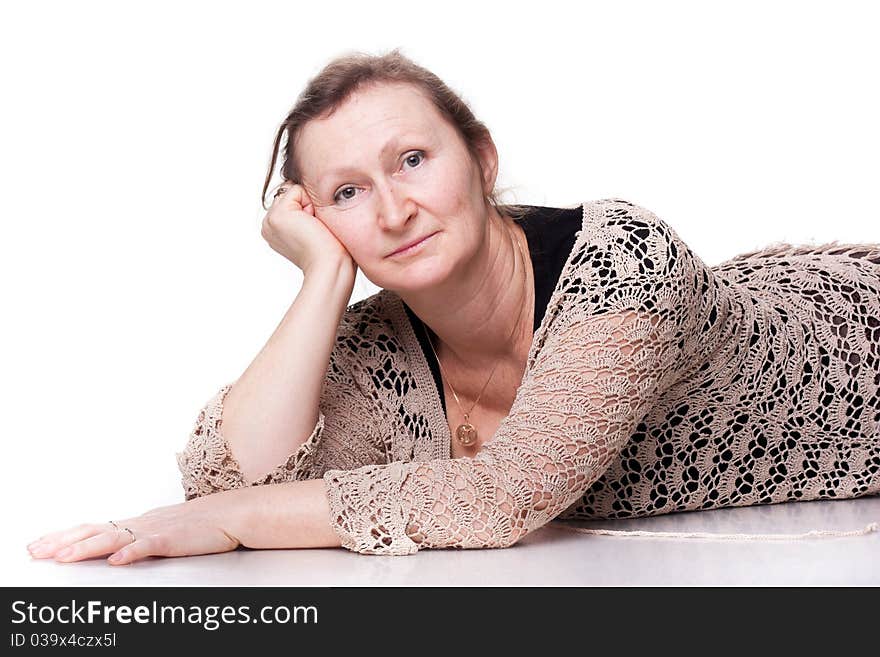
(89,541)
(194,527)
(51,544)
(95,546)
(141,548)
(296,197)
(289,194)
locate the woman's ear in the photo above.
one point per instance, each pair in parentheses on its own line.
(488,161)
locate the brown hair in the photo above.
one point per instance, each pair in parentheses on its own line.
(348,73)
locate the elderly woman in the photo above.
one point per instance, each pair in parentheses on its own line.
(597,367)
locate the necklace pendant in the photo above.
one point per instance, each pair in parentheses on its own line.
(466,434)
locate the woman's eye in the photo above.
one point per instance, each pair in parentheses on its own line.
(340,195)
(414,159)
(418,155)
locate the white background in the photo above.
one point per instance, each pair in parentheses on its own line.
(135,138)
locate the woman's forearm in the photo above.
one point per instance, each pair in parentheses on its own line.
(273,406)
(294,514)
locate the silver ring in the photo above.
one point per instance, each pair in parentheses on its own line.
(123,529)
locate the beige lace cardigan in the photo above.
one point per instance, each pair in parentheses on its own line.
(654,384)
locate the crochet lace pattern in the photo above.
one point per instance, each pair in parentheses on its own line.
(654,384)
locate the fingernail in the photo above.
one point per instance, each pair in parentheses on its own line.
(66,552)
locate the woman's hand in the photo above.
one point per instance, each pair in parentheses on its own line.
(194,527)
(292,229)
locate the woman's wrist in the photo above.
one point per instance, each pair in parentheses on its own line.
(329,286)
(339,271)
(293,514)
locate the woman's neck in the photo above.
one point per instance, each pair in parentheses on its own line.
(486,314)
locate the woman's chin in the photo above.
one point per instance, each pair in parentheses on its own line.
(414,277)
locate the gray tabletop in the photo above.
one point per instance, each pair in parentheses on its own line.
(550,556)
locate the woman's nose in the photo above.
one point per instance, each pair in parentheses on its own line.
(396,205)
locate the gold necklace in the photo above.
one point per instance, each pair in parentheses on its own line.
(466,433)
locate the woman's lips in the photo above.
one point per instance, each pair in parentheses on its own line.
(413,247)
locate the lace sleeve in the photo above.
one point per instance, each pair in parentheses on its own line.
(613,346)
(350,432)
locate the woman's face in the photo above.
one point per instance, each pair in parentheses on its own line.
(385,170)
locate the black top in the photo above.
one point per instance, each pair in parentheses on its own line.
(550,233)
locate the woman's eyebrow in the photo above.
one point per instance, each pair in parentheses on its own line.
(390,146)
